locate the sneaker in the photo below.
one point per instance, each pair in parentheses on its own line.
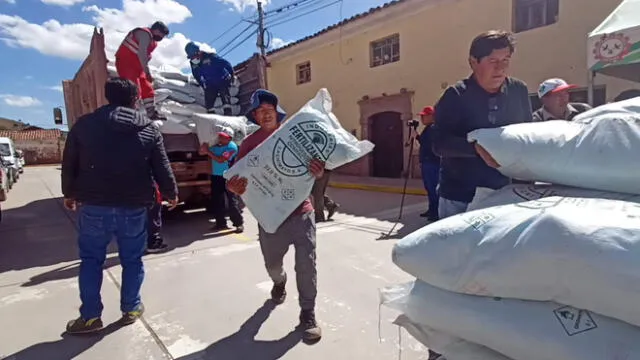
(425,214)
(223,227)
(239,229)
(82,326)
(130,317)
(157,246)
(279,292)
(310,328)
(435,356)
(331,210)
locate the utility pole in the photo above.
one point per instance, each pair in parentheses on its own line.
(263,50)
(260,42)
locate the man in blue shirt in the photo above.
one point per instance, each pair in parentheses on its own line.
(429,163)
(487,99)
(221,155)
(213,73)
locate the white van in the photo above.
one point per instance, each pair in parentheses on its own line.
(9,155)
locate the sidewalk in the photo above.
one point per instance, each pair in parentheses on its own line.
(387,185)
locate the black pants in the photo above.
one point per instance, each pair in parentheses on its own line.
(219,194)
(212,92)
(154,223)
(320,199)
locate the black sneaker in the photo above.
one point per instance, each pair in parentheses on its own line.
(130,317)
(279,292)
(309,326)
(331,210)
(218,228)
(82,326)
(239,229)
(435,356)
(157,246)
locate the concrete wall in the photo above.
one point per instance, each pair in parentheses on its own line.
(434,44)
(41,151)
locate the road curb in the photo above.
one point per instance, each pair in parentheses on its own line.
(377,188)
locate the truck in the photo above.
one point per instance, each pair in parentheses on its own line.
(85,93)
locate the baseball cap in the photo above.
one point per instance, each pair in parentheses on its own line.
(550,86)
(428,110)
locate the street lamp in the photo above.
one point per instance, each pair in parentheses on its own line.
(57,115)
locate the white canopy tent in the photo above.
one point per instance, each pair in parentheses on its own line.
(613,48)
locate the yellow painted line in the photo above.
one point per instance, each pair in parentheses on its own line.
(377,188)
(242,237)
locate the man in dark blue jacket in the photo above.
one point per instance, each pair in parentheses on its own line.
(212,72)
(112,160)
(487,99)
(429,164)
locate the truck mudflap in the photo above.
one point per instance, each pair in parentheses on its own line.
(3,195)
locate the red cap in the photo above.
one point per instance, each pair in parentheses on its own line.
(428,110)
(224,135)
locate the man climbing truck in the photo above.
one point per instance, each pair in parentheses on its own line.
(132,61)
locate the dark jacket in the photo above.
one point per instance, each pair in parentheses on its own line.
(463,108)
(573,110)
(112,157)
(426,148)
(213,71)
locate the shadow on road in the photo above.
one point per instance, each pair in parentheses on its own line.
(242,345)
(68,347)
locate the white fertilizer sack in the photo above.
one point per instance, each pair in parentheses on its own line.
(519,329)
(513,194)
(451,347)
(277,170)
(180,97)
(575,251)
(183,109)
(598,150)
(234,90)
(172,127)
(208,126)
(161,95)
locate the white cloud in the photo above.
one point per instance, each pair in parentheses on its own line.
(71,41)
(28,77)
(54,88)
(62,2)
(10,1)
(242,5)
(20,101)
(277,43)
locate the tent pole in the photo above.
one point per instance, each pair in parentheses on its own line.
(590,87)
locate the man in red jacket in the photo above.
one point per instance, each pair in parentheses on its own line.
(132,60)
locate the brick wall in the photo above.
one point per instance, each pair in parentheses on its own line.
(38,152)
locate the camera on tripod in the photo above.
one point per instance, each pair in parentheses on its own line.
(413,123)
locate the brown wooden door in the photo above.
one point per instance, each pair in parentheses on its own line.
(386,134)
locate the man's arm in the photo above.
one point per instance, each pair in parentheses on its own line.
(70,163)
(448,118)
(144,40)
(161,169)
(526,100)
(228,67)
(195,70)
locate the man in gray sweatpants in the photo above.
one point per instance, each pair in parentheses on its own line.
(299,229)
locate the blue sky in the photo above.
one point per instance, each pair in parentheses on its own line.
(43,42)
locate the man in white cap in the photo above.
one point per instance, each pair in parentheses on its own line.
(554,95)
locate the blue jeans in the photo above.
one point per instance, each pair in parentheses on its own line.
(97,226)
(430,176)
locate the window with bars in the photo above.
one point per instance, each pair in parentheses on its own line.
(385,51)
(303,73)
(532,14)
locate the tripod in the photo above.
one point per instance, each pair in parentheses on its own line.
(413,129)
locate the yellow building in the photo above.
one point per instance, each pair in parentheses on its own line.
(383,66)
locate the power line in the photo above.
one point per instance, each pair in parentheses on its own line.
(244,19)
(235,38)
(254,32)
(303,14)
(286,7)
(292,11)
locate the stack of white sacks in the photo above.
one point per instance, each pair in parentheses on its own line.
(180,99)
(536,272)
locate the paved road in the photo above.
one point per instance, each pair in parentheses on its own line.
(205,299)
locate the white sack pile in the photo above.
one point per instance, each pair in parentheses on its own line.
(180,99)
(279,180)
(537,272)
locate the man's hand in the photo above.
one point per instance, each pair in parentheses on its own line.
(173,203)
(316,167)
(149,77)
(204,149)
(70,204)
(237,185)
(484,154)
